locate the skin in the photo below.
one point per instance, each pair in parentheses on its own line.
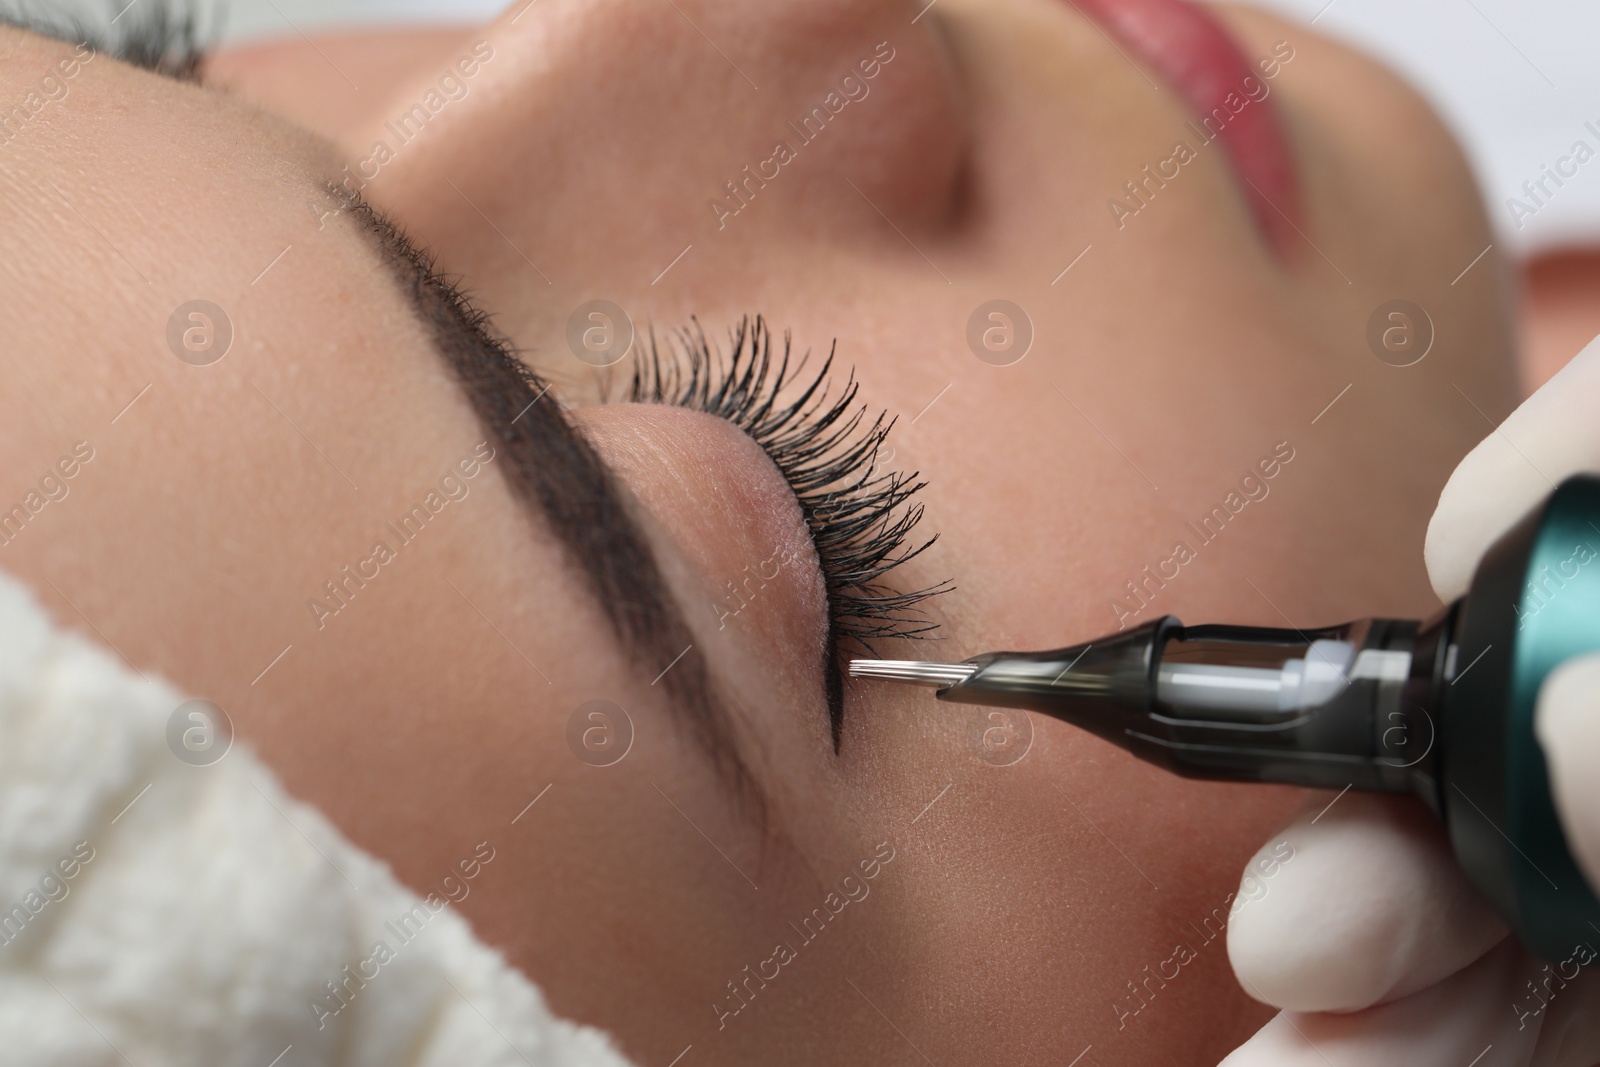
(1561,305)
(1020,900)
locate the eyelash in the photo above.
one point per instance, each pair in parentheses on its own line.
(861,519)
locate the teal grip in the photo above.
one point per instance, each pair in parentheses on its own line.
(1534,603)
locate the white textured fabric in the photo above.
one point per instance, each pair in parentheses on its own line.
(158,913)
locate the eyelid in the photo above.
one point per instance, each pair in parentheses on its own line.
(564,484)
(861,521)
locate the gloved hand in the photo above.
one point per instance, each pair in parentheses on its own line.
(1368,936)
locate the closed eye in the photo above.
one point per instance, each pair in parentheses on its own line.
(862,519)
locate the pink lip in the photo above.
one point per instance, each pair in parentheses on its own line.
(1196,56)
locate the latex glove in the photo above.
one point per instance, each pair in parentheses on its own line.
(1365,931)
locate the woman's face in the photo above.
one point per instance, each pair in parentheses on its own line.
(944,884)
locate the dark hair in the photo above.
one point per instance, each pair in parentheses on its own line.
(163,36)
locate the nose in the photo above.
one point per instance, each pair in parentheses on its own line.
(591,129)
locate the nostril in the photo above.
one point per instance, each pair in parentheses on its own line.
(856,118)
(858,121)
(665,125)
(810,122)
(902,154)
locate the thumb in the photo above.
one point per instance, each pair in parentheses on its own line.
(1567,723)
(1553,434)
(1366,905)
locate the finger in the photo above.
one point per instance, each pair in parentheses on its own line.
(1553,434)
(1451,1024)
(1506,1010)
(1368,905)
(1567,723)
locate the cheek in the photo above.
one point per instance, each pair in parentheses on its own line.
(667,855)
(1085,836)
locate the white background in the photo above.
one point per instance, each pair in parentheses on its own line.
(1515,79)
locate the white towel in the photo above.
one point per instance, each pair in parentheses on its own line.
(153,912)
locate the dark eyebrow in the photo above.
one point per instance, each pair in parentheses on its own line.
(562,480)
(553,471)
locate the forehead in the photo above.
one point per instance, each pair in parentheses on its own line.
(83,109)
(125,194)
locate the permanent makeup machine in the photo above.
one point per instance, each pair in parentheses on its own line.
(1442,710)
